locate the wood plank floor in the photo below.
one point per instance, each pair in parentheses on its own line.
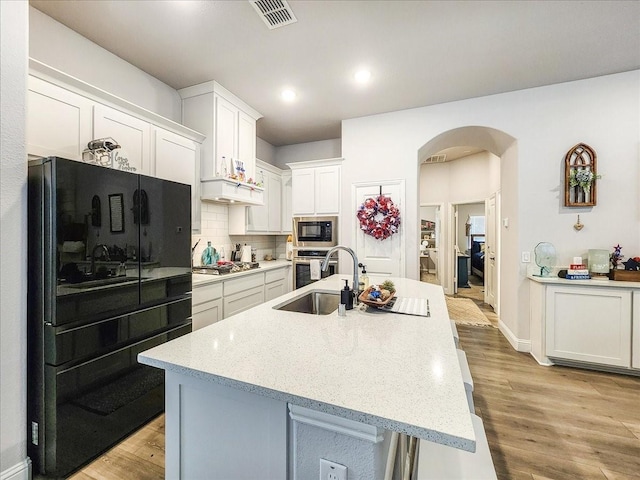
(541,422)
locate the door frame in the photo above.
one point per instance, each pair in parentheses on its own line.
(403,218)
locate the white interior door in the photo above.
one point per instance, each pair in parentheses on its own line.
(490,257)
(382,257)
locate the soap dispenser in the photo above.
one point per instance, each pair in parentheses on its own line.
(363,282)
(346,297)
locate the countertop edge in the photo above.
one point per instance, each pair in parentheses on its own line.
(374,420)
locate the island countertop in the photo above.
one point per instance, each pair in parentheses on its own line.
(394,371)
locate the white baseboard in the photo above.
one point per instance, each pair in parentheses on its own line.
(20,471)
(517,343)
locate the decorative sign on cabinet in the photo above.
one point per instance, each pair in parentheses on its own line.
(132,134)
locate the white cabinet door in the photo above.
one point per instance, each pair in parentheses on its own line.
(274,290)
(635,344)
(239,302)
(303,192)
(247,144)
(327,190)
(131,133)
(265,218)
(589,325)
(178,159)
(287,212)
(316,190)
(225,134)
(58,121)
(274,202)
(206,314)
(242,293)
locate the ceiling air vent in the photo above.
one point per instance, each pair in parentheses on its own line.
(436,159)
(274,13)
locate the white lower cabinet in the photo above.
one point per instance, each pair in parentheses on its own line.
(243,293)
(212,302)
(206,305)
(589,325)
(275,284)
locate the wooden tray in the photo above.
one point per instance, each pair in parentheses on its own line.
(364,299)
(625,275)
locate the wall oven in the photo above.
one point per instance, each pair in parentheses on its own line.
(315,232)
(302,266)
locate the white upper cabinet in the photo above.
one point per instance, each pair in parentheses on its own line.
(58,121)
(177,158)
(287,212)
(228,123)
(63,117)
(316,187)
(247,143)
(265,218)
(226,133)
(132,134)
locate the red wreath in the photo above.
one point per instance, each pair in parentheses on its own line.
(379,217)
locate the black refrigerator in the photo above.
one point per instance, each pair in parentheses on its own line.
(109,276)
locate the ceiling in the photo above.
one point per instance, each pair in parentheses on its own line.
(419,52)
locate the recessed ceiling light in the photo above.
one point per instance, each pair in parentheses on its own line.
(362,76)
(288,95)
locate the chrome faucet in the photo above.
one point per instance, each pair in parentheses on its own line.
(105,251)
(325,265)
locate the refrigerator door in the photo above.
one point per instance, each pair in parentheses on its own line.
(165,239)
(93,241)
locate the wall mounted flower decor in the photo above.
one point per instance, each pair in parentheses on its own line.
(580,175)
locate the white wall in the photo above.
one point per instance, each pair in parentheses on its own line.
(546,122)
(265,151)
(302,152)
(14,31)
(52,43)
(468,179)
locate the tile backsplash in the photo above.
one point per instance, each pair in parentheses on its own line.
(215,229)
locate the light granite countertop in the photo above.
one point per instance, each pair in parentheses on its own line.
(394,371)
(205,278)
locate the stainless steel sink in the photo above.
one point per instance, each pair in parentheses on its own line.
(315,302)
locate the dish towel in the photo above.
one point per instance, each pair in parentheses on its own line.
(315,269)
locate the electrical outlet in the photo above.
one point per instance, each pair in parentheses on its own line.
(332,471)
(526,257)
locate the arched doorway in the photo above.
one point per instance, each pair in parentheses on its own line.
(503,146)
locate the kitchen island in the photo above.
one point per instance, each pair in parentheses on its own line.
(254,395)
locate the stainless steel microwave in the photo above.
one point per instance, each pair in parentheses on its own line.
(315,231)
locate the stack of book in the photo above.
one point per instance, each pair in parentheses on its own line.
(578,271)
